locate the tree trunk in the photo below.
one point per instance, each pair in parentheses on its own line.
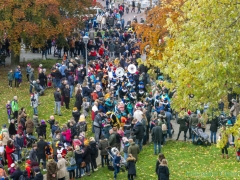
(15,58)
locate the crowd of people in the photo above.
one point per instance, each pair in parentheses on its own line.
(112,92)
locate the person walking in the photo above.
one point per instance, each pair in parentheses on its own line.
(157,138)
(57,99)
(163,171)
(133,7)
(116,164)
(183,122)
(131,167)
(139,7)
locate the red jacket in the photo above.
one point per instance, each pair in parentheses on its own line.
(101,51)
(93,53)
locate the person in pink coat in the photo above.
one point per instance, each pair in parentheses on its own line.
(66,134)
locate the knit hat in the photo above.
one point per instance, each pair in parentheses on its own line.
(91,139)
(37,169)
(12,165)
(82,118)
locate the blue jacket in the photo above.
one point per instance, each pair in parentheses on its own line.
(116,160)
(62,69)
(17,74)
(70,80)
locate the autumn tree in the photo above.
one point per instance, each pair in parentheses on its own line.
(34,21)
(155,30)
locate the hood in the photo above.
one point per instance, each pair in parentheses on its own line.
(131,159)
(132,143)
(79,152)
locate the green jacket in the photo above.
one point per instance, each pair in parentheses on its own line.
(134,150)
(68,157)
(112,140)
(14,105)
(10,76)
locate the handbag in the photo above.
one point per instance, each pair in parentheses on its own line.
(83,164)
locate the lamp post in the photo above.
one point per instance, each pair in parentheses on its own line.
(85,40)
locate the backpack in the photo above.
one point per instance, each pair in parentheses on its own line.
(164,127)
(72,161)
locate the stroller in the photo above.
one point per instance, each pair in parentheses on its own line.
(30,140)
(113,152)
(202,138)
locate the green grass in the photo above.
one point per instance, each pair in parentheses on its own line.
(45,109)
(186,162)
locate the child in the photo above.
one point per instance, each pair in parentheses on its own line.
(85,106)
(10,78)
(48,150)
(49,80)
(238,154)
(9,110)
(12,169)
(131,166)
(116,164)
(43,129)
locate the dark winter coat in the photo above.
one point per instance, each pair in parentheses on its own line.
(163,173)
(87,154)
(38,176)
(157,134)
(214,125)
(17,173)
(94,149)
(78,102)
(131,166)
(42,129)
(41,148)
(76,115)
(183,124)
(139,130)
(12,129)
(42,79)
(103,144)
(78,157)
(33,156)
(193,120)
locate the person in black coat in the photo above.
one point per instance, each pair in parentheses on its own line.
(38,174)
(213,129)
(94,154)
(78,100)
(76,114)
(43,129)
(131,166)
(87,157)
(41,151)
(163,171)
(16,175)
(67,96)
(12,129)
(139,130)
(183,122)
(42,79)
